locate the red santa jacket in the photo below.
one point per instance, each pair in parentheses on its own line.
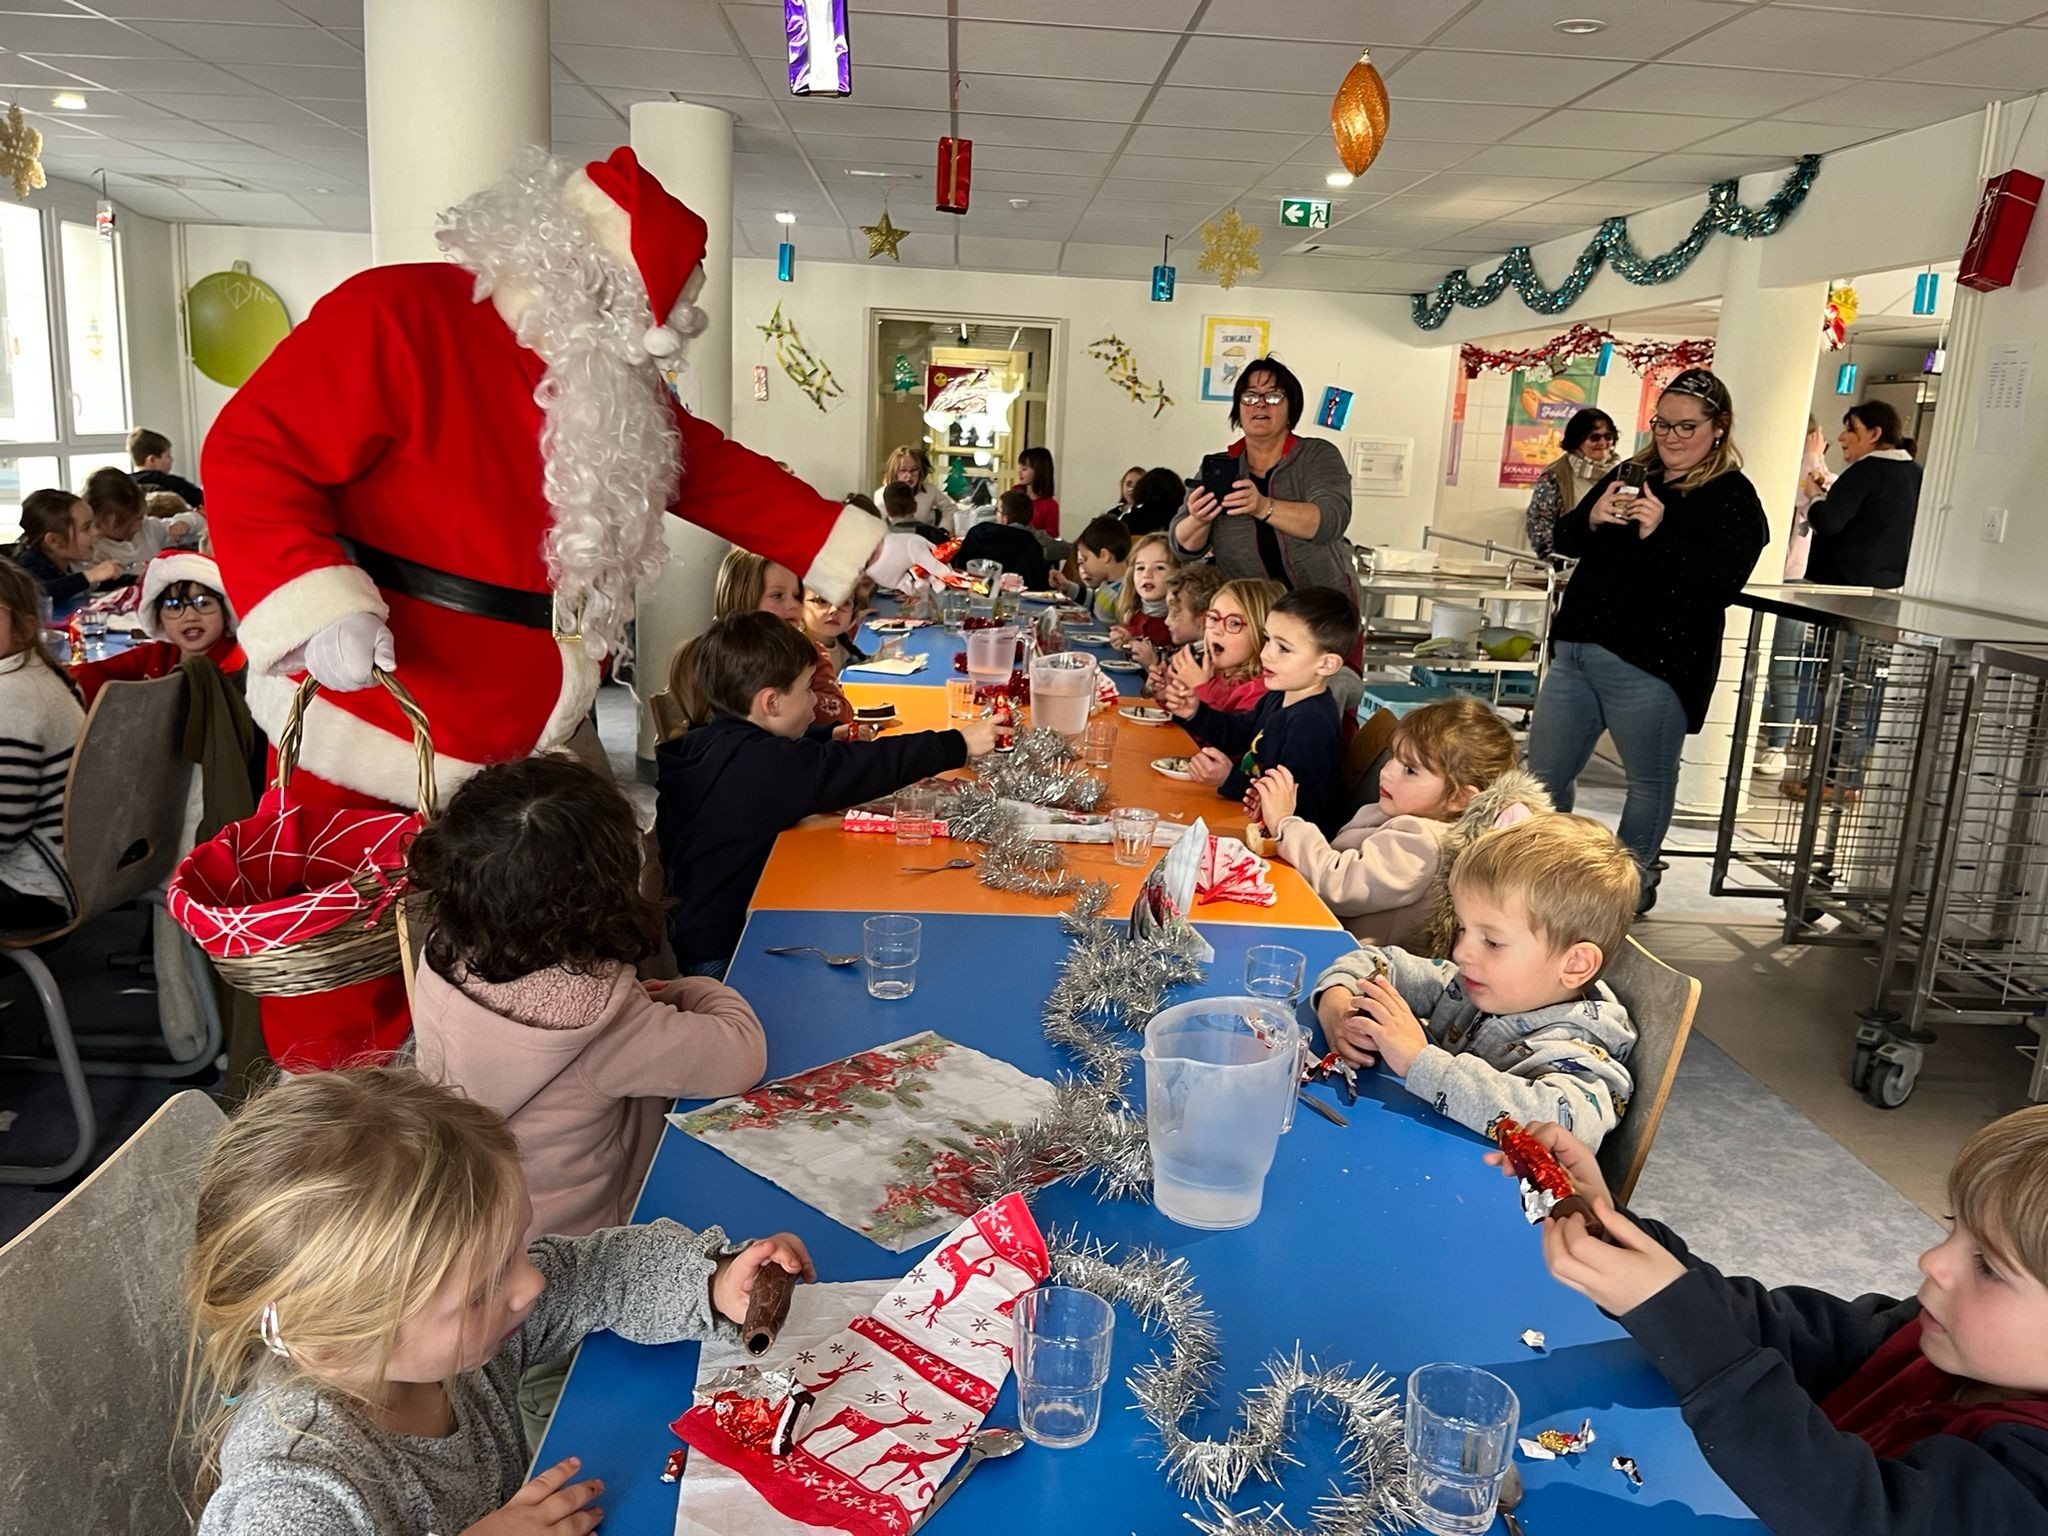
(401,413)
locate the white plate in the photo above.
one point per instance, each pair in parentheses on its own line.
(1115,665)
(1172,768)
(1140,715)
(895,626)
(1096,639)
(1042,597)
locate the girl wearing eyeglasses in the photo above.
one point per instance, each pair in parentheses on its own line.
(183,612)
(1590,440)
(1636,645)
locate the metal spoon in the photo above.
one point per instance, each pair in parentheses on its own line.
(1509,1498)
(933,869)
(811,949)
(986,1443)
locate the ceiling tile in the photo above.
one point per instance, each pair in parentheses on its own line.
(1184,106)
(310,135)
(1041,133)
(1710,91)
(1065,162)
(1354,23)
(1957,10)
(1641,29)
(659,69)
(226,42)
(268,12)
(1489,239)
(1146,15)
(1872,45)
(851,149)
(185,137)
(889,42)
(916,89)
(819,114)
(1768,136)
(566,99)
(1029,183)
(255,107)
(1202,173)
(1100,101)
(632,24)
(1510,79)
(1214,143)
(1701,169)
(1253,64)
(1511,188)
(1459,122)
(159,74)
(1400,155)
(1084,259)
(1457,209)
(2010,61)
(1899,104)
(1084,53)
(50,73)
(1579,128)
(754,111)
(1542,160)
(72,33)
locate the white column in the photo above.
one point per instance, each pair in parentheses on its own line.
(454,89)
(1765,350)
(689,148)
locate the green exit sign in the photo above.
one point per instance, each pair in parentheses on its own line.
(1305,212)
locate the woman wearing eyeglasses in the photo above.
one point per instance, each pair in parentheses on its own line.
(1636,645)
(1589,452)
(1285,518)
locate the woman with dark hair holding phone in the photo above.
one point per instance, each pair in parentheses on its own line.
(1034,479)
(1589,452)
(1664,544)
(1283,518)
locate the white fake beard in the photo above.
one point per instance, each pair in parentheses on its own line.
(610,450)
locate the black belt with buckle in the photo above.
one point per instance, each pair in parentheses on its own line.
(444,589)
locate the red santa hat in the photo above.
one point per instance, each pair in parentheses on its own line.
(166,571)
(668,241)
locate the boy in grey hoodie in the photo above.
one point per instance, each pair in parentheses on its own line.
(1517,1021)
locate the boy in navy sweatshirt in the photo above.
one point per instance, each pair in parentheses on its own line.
(1878,1416)
(1308,634)
(728,788)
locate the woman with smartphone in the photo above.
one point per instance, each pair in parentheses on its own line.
(1271,506)
(1664,544)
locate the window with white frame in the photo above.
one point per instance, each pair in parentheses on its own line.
(63,355)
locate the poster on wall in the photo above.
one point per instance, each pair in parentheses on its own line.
(1457,447)
(1228,344)
(1539,404)
(1653,385)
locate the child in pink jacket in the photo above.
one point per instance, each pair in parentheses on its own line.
(527,1000)
(1386,872)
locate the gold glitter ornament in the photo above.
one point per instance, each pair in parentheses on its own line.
(19,147)
(1230,249)
(1358,116)
(883,236)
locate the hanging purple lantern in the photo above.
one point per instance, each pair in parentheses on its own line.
(820,62)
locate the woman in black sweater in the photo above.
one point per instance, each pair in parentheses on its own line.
(1637,642)
(1863,527)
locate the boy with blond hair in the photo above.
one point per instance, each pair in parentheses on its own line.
(1517,1022)
(1927,1414)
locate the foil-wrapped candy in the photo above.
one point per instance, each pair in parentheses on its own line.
(761,1409)
(1549,1444)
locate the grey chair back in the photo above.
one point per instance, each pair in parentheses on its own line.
(93,1353)
(124,802)
(1660,1003)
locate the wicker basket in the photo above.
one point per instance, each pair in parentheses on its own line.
(342,952)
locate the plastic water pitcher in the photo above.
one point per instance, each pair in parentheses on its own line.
(991,655)
(1062,692)
(1220,1079)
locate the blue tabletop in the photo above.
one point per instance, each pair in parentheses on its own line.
(942,646)
(1383,1243)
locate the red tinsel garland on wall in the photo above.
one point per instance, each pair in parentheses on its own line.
(1642,356)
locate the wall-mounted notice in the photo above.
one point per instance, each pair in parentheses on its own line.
(2002,416)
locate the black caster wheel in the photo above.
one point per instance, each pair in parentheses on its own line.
(1859,1068)
(1894,1069)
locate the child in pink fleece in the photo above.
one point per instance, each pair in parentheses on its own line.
(1382,871)
(527,998)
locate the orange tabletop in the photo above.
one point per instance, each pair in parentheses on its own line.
(820,866)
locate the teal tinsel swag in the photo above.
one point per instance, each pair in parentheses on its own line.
(1613,247)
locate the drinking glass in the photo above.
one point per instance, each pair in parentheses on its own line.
(1099,742)
(952,607)
(912,813)
(890,945)
(92,628)
(1275,971)
(960,703)
(1132,827)
(1063,1339)
(1461,1428)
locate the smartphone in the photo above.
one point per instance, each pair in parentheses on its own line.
(1632,479)
(1220,473)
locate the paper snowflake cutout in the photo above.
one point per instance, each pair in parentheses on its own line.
(20,145)
(1230,249)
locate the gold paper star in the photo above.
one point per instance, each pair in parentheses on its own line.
(1229,247)
(883,237)
(19,146)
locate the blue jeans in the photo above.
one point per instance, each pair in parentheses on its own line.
(1589,689)
(1792,693)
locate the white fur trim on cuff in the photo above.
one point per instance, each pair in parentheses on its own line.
(350,752)
(572,706)
(275,631)
(844,554)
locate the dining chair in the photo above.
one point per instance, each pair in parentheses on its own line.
(1661,1003)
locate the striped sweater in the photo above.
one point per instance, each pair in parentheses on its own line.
(40,719)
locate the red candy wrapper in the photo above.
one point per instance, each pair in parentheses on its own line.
(1547,1190)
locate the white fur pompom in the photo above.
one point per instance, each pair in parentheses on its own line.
(687,319)
(660,341)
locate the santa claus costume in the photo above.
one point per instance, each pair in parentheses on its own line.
(457,472)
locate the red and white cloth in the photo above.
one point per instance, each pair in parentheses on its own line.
(1232,872)
(901,1390)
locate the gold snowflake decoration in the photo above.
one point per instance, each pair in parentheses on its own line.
(1230,248)
(19,146)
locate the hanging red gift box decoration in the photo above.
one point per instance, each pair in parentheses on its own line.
(2003,219)
(956,172)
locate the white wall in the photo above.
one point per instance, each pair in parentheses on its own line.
(1363,343)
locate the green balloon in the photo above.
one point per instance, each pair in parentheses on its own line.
(233,321)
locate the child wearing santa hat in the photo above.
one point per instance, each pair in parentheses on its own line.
(184,612)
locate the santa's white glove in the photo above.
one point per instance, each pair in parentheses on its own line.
(341,655)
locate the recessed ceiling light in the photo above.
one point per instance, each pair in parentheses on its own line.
(1579,26)
(1020,202)
(784,216)
(884,175)
(321,191)
(1339,179)
(68,101)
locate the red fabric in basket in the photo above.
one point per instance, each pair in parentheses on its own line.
(281,876)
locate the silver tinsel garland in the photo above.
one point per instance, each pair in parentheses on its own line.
(1181,1379)
(1043,769)
(1011,859)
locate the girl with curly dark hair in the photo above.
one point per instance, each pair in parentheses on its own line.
(527,998)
